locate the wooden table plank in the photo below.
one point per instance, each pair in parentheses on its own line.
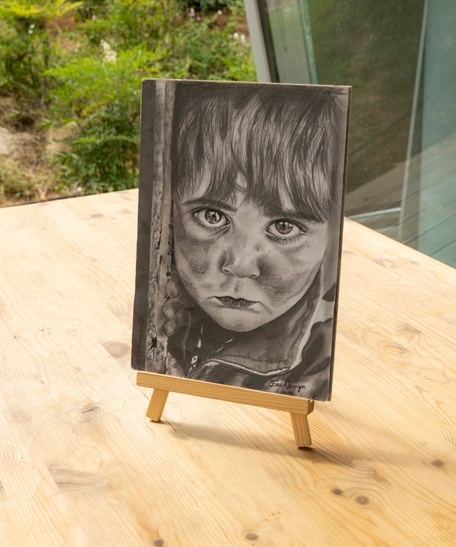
(80,465)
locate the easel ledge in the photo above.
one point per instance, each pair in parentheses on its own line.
(162,385)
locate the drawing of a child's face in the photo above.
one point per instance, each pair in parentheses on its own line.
(243,266)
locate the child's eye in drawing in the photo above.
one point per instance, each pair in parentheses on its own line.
(284,230)
(211,218)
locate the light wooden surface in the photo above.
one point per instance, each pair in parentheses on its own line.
(80,465)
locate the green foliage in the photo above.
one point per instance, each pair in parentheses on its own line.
(205,5)
(104,98)
(105,157)
(26,9)
(24,55)
(85,85)
(25,49)
(128,23)
(91,72)
(214,54)
(89,8)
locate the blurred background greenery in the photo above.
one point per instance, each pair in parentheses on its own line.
(70,78)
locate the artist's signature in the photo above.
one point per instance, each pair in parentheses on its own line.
(286,384)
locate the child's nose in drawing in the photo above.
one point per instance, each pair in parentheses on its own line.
(241,260)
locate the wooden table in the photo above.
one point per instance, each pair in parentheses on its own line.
(80,465)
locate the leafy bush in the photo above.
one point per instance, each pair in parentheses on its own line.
(205,5)
(128,23)
(91,73)
(103,96)
(212,53)
(25,48)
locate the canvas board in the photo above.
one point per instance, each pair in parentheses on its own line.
(239,233)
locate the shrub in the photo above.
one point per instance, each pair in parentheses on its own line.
(25,46)
(213,53)
(91,73)
(103,96)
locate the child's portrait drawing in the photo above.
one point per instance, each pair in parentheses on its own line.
(254,177)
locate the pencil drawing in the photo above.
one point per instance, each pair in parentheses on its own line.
(254,175)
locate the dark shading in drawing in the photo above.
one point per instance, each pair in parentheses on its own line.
(241,200)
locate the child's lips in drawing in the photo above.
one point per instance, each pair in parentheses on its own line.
(238,303)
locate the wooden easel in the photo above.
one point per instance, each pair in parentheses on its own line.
(162,385)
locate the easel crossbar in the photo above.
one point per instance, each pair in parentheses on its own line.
(274,401)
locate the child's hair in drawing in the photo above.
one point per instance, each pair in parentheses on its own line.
(270,142)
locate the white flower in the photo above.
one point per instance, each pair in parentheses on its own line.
(236,35)
(242,38)
(108,53)
(219,12)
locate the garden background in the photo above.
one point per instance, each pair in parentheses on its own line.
(70,84)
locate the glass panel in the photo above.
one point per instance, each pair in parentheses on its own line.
(436,233)
(289,42)
(400,58)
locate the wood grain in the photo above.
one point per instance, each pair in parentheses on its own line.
(301,430)
(81,465)
(161,236)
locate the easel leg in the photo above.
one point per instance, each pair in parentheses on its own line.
(301,429)
(157,404)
